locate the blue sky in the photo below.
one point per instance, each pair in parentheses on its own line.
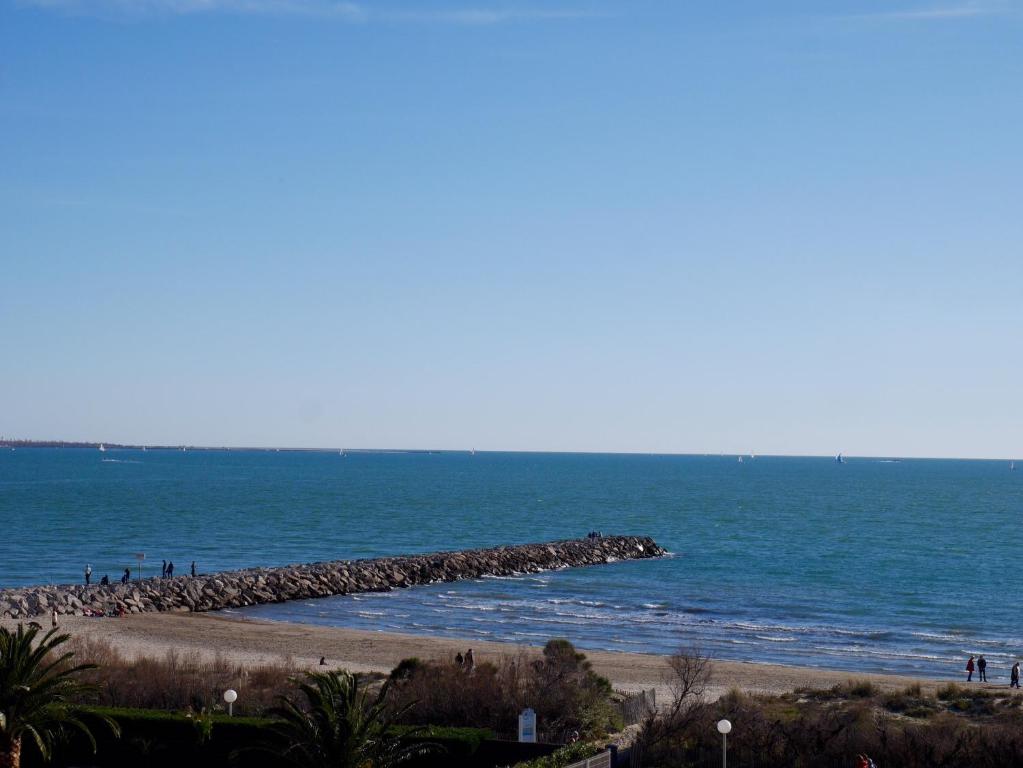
(785,227)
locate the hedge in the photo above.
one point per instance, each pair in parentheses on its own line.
(173,740)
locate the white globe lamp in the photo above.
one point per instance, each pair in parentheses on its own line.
(231,696)
(724,728)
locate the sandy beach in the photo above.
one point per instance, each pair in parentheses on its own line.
(248,642)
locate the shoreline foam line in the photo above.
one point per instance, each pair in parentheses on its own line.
(255,586)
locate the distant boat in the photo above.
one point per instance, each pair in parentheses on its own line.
(472,452)
(1012,465)
(143,449)
(839,459)
(102,448)
(740,459)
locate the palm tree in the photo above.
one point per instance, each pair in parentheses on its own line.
(339,727)
(37,686)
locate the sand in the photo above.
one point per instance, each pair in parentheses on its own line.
(247,642)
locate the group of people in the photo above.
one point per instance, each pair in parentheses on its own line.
(980,667)
(467,662)
(594,535)
(166,572)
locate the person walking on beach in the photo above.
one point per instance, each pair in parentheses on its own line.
(1014,676)
(88,574)
(969,670)
(459,660)
(170,570)
(53,617)
(982,669)
(470,662)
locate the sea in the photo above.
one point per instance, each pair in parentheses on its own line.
(874,564)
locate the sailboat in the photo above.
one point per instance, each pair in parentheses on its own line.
(1012,465)
(839,459)
(102,448)
(740,459)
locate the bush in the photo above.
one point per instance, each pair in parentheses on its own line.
(172,740)
(949,692)
(180,681)
(566,755)
(560,687)
(857,689)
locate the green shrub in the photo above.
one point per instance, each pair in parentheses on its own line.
(570,753)
(171,740)
(406,668)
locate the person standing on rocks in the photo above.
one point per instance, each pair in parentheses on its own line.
(170,570)
(193,569)
(163,571)
(127,576)
(88,574)
(53,617)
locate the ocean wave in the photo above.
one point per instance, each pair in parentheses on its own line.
(955,637)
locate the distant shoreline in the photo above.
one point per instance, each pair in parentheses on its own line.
(95,445)
(188,447)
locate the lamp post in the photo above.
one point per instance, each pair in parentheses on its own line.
(724,728)
(230,696)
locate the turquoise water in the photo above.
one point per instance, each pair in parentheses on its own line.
(869,565)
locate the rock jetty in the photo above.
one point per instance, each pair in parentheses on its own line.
(233,589)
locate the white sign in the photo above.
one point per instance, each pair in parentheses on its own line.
(140,555)
(527,726)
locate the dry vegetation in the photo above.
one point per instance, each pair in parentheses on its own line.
(567,695)
(808,728)
(180,681)
(560,686)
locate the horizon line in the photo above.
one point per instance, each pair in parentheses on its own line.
(34,443)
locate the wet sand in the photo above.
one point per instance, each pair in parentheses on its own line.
(248,642)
